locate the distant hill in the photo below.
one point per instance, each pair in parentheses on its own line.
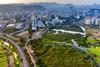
(56,8)
(54,5)
(21,7)
(50,6)
(33,7)
(9,7)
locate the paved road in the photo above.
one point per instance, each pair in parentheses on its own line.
(21,53)
(32,58)
(3,34)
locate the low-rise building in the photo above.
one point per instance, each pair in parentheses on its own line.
(89,20)
(19,25)
(10,26)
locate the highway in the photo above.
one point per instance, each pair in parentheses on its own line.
(21,53)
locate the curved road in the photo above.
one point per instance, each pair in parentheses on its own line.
(21,53)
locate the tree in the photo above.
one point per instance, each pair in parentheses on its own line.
(30,30)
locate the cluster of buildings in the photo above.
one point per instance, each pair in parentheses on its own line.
(20,21)
(93,18)
(42,20)
(8,22)
(92,21)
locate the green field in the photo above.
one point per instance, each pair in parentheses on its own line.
(3,57)
(95,51)
(98,39)
(12,51)
(17,60)
(91,40)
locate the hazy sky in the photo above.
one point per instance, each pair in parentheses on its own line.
(79,2)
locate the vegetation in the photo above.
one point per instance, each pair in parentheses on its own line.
(8,31)
(95,51)
(65,37)
(64,26)
(98,39)
(3,57)
(30,30)
(59,56)
(50,55)
(58,37)
(91,40)
(11,51)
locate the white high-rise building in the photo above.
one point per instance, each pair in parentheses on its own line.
(56,20)
(97,21)
(88,21)
(33,21)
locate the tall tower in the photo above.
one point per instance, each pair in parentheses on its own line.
(34,20)
(34,23)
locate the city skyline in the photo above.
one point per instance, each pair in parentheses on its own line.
(78,2)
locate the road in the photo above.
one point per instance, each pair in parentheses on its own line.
(32,58)
(21,53)
(3,34)
(72,32)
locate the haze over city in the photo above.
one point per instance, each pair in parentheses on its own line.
(49,33)
(78,2)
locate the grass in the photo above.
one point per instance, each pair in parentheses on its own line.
(98,60)
(98,39)
(91,40)
(17,60)
(3,57)
(95,51)
(63,37)
(3,64)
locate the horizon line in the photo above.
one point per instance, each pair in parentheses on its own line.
(48,2)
